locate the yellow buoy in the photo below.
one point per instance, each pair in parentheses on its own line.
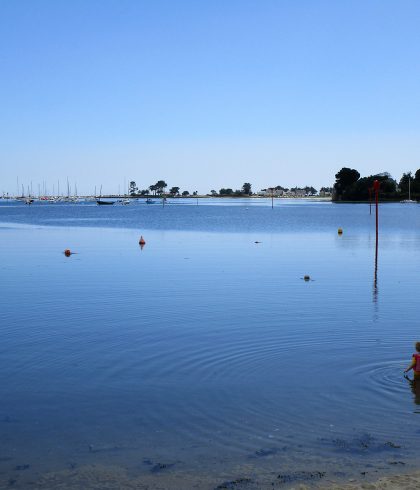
(340,231)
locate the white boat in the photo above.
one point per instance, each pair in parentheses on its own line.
(409,200)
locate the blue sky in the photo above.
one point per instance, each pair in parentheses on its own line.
(207,94)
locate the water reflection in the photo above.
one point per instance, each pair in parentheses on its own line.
(375,274)
(415,388)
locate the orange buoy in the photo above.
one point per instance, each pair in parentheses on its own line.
(142,241)
(67,252)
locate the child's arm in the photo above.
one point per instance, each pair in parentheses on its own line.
(411,366)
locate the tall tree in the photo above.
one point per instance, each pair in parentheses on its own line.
(344,179)
(174,191)
(160,186)
(133,188)
(246,188)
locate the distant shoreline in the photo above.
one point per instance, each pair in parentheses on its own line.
(204,196)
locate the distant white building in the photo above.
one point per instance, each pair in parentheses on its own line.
(270,191)
(295,193)
(324,194)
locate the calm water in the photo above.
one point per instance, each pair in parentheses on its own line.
(205,357)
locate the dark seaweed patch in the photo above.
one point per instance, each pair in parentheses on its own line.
(233,483)
(361,444)
(392,445)
(263,452)
(300,476)
(158,467)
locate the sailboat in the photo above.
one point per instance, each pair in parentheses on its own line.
(101,203)
(409,200)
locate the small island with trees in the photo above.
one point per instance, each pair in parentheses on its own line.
(350,186)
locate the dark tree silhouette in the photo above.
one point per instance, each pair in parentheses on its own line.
(246,188)
(346,177)
(133,188)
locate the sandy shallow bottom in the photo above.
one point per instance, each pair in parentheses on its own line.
(97,477)
(397,482)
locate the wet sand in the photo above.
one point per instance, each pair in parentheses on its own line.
(101,477)
(397,482)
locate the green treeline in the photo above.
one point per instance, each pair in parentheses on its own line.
(349,186)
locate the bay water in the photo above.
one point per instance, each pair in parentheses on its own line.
(205,357)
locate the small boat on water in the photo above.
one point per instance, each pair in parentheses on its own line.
(102,203)
(149,201)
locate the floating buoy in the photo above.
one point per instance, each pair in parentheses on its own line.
(67,252)
(142,241)
(306,278)
(340,231)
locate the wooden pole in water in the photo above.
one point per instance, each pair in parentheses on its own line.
(376,185)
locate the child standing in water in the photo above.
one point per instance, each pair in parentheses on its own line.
(415,363)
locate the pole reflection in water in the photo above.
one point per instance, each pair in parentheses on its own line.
(375,274)
(376,186)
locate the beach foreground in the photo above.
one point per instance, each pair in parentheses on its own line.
(113,477)
(398,482)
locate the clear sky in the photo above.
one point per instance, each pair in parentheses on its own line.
(207,94)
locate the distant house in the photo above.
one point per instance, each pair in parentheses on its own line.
(325,193)
(270,191)
(296,192)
